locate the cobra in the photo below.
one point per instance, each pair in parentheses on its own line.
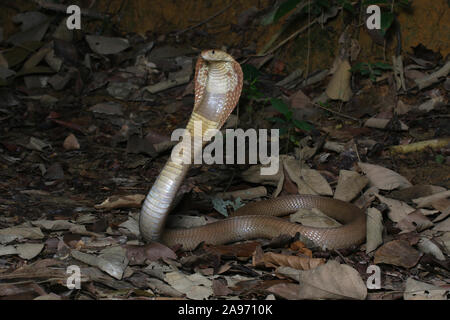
(218,84)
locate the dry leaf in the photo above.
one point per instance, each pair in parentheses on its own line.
(328,281)
(398,253)
(244,250)
(414,221)
(416,191)
(339,86)
(443,226)
(350,184)
(71,143)
(273,260)
(398,210)
(195,286)
(106,45)
(427,201)
(427,246)
(152,251)
(416,290)
(289,291)
(130,201)
(383,178)
(374,229)
(313,218)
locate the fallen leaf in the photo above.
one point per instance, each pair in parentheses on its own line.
(273,260)
(350,184)
(130,201)
(398,210)
(289,291)
(427,201)
(339,86)
(416,191)
(416,290)
(383,178)
(107,45)
(244,250)
(328,281)
(195,286)
(398,253)
(427,246)
(414,221)
(17,233)
(374,229)
(152,251)
(443,226)
(71,143)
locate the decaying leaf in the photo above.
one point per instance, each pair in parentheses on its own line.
(328,281)
(350,184)
(383,178)
(417,290)
(414,221)
(427,246)
(17,233)
(398,210)
(427,201)
(273,260)
(71,142)
(151,251)
(374,229)
(195,286)
(107,45)
(339,86)
(398,253)
(313,218)
(130,201)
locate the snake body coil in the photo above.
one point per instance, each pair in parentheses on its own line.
(218,84)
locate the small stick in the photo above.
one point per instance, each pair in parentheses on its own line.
(337,113)
(205,21)
(296,33)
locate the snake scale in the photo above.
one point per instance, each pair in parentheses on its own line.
(218,84)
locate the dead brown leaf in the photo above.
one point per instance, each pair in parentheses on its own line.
(398,253)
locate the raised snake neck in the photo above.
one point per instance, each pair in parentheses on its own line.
(218,84)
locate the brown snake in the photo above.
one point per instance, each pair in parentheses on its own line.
(218,84)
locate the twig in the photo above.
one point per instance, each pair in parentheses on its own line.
(204,21)
(296,33)
(337,113)
(309,40)
(63,8)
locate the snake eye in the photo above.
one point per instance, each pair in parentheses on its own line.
(212,52)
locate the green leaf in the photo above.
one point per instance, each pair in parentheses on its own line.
(280,106)
(347,6)
(294,140)
(250,72)
(359,67)
(276,120)
(387,18)
(302,125)
(440,159)
(383,66)
(285,8)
